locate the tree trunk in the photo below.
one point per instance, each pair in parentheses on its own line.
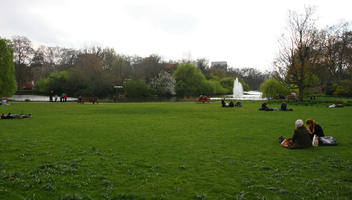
(300,95)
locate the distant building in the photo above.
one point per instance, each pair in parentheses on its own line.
(29,85)
(219,65)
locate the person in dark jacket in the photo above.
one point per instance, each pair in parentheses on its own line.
(314,129)
(223,103)
(231,104)
(284,107)
(300,139)
(265,107)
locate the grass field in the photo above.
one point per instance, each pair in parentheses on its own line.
(170,151)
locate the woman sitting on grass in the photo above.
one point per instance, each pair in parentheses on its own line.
(314,129)
(301,138)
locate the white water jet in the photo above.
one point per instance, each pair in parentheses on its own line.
(237,89)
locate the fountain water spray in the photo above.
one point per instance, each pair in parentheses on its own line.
(237,89)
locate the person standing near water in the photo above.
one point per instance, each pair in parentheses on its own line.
(51,96)
(62,97)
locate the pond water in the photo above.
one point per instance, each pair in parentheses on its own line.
(35,98)
(247,95)
(250,95)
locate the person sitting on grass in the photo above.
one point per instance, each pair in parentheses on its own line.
(238,104)
(284,107)
(265,107)
(314,129)
(231,104)
(300,139)
(5,102)
(223,103)
(3,116)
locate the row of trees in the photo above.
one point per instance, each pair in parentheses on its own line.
(310,57)
(94,71)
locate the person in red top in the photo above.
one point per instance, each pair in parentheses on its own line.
(65,97)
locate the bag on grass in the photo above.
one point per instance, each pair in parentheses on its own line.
(315,141)
(327,141)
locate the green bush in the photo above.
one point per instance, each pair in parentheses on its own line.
(189,81)
(137,88)
(43,85)
(272,88)
(217,87)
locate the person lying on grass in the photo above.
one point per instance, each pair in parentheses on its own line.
(300,139)
(15,116)
(265,107)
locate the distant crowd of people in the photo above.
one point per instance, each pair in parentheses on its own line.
(230,104)
(54,97)
(4,101)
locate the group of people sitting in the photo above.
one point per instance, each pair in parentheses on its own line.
(303,137)
(15,116)
(4,101)
(265,107)
(230,104)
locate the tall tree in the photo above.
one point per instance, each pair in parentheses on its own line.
(299,49)
(7,69)
(189,80)
(337,47)
(23,53)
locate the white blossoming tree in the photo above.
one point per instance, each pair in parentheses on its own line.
(164,84)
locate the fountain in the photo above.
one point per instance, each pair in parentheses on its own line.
(237,89)
(238,94)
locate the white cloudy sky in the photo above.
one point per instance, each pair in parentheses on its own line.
(243,33)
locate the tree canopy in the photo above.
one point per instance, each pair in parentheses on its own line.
(7,69)
(189,80)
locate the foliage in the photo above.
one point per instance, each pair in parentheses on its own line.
(212,87)
(312,80)
(43,85)
(164,84)
(189,80)
(167,151)
(7,70)
(227,82)
(88,78)
(272,88)
(137,88)
(58,82)
(344,89)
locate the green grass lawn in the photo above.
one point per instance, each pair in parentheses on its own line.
(170,151)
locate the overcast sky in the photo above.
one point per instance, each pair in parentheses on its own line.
(243,33)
